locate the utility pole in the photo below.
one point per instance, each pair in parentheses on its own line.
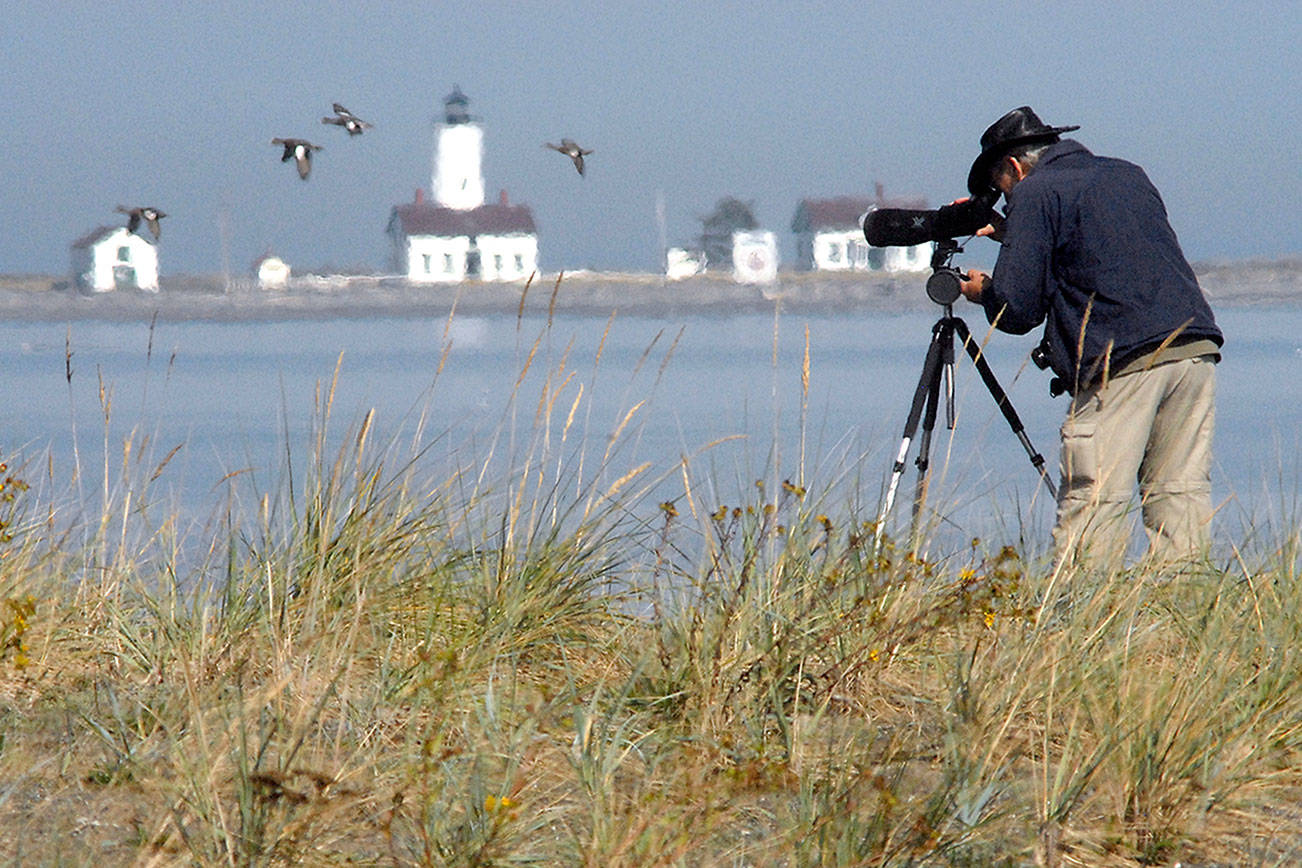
(224,228)
(664,239)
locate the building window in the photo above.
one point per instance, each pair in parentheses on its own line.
(124,254)
(426,258)
(519,262)
(497,262)
(447,263)
(834,253)
(857,254)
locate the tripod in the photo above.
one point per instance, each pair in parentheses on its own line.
(943,288)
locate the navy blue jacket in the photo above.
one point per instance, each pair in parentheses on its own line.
(1088,251)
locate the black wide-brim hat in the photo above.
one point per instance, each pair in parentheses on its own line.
(1020,126)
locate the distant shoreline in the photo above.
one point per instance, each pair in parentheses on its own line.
(207,297)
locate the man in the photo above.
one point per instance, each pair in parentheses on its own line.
(1088,251)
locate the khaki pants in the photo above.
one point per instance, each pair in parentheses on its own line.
(1152,427)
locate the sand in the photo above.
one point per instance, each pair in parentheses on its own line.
(46,298)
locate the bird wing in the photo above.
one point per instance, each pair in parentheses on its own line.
(346,117)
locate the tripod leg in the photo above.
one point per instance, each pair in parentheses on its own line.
(1004,404)
(930,374)
(947,360)
(943,373)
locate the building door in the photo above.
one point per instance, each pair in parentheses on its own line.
(124,277)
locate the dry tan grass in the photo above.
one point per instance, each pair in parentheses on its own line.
(377,668)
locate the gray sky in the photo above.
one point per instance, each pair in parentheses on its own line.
(174,105)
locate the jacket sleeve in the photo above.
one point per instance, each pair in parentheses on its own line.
(1017,299)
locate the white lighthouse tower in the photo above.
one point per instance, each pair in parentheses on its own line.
(458,237)
(458,156)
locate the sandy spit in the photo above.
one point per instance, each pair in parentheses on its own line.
(208,297)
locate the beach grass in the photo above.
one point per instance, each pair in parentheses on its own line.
(539,658)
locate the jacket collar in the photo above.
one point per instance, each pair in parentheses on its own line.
(1065,149)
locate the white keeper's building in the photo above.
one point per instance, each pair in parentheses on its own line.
(110,258)
(829,237)
(457,236)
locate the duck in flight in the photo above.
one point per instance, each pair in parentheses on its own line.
(300,151)
(571,150)
(150,216)
(346,119)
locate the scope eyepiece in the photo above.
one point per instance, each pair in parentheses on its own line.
(1040,355)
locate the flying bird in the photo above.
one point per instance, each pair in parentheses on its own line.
(571,150)
(151,216)
(300,151)
(349,121)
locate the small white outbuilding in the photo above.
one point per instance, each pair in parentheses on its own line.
(110,258)
(681,263)
(754,257)
(272,272)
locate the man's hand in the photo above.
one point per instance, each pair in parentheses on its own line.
(995,230)
(975,285)
(963,216)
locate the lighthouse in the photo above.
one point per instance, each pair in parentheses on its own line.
(457,237)
(458,156)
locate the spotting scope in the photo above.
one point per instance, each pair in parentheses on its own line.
(904,227)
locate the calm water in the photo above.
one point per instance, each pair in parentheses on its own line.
(237,396)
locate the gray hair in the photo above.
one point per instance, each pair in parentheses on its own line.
(1029,154)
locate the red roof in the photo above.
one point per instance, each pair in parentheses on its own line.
(96,235)
(417,218)
(843,211)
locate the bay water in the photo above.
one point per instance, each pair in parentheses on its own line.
(816,399)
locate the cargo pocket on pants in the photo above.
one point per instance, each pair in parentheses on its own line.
(1079,460)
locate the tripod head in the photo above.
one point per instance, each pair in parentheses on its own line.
(943,284)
